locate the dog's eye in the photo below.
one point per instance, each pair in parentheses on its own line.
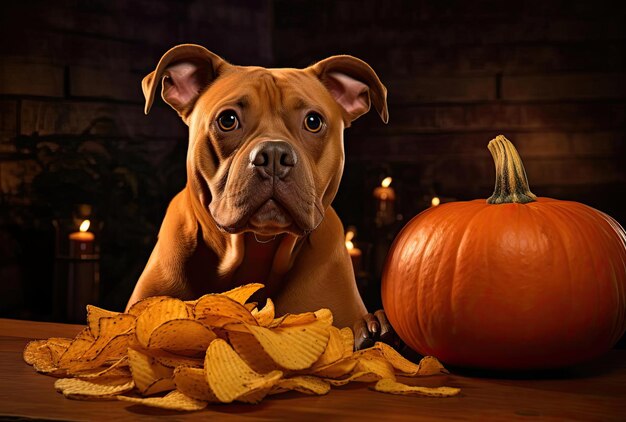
(227,120)
(313,122)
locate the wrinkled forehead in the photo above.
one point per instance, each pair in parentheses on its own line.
(275,89)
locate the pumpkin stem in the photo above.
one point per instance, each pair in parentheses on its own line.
(511,180)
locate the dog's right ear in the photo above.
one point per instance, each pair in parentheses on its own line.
(186,70)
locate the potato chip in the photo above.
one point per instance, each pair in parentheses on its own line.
(159,386)
(293,347)
(116,370)
(44,356)
(61,342)
(109,353)
(377,366)
(93,318)
(109,328)
(248,347)
(354,377)
(173,361)
(218,310)
(293,319)
(146,370)
(337,369)
(81,343)
(403,365)
(265,316)
(252,307)
(334,349)
(112,326)
(241,294)
(394,387)
(156,314)
(172,401)
(348,341)
(304,384)
(33,351)
(85,390)
(230,378)
(324,315)
(184,336)
(429,365)
(41,356)
(261,388)
(57,348)
(138,307)
(193,383)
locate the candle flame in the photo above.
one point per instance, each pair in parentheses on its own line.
(349,236)
(84,226)
(386,182)
(435,201)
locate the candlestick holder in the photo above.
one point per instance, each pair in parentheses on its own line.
(77,265)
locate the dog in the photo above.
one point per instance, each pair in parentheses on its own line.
(264,162)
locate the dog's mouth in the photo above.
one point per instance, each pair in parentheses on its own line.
(271,218)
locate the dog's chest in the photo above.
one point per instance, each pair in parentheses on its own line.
(256,266)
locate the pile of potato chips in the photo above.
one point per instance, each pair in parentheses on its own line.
(217,349)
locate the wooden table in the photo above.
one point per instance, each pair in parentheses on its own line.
(594,392)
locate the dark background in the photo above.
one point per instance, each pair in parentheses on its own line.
(547,74)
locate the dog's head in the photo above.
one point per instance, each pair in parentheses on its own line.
(265,145)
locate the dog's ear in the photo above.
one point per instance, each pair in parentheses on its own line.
(186,70)
(353,84)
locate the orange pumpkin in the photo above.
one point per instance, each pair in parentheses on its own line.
(513,282)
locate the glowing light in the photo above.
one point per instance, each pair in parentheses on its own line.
(435,201)
(349,236)
(84,226)
(386,182)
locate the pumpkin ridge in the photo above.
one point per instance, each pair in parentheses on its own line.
(466,231)
(419,264)
(587,212)
(573,216)
(621,289)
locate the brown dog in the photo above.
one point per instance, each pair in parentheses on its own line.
(264,163)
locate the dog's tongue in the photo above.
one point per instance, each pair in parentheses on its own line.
(270,217)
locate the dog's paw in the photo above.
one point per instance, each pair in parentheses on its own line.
(372,328)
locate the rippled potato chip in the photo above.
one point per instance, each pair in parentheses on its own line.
(156,314)
(230,378)
(192,382)
(87,390)
(394,387)
(172,401)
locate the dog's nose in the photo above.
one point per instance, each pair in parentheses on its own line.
(273,158)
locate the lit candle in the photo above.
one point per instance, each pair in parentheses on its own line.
(81,242)
(435,201)
(82,283)
(355,253)
(386,198)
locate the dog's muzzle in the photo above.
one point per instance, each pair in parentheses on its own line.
(273,159)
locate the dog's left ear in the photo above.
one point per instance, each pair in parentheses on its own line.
(186,70)
(353,84)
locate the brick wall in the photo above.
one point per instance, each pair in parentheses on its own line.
(547,74)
